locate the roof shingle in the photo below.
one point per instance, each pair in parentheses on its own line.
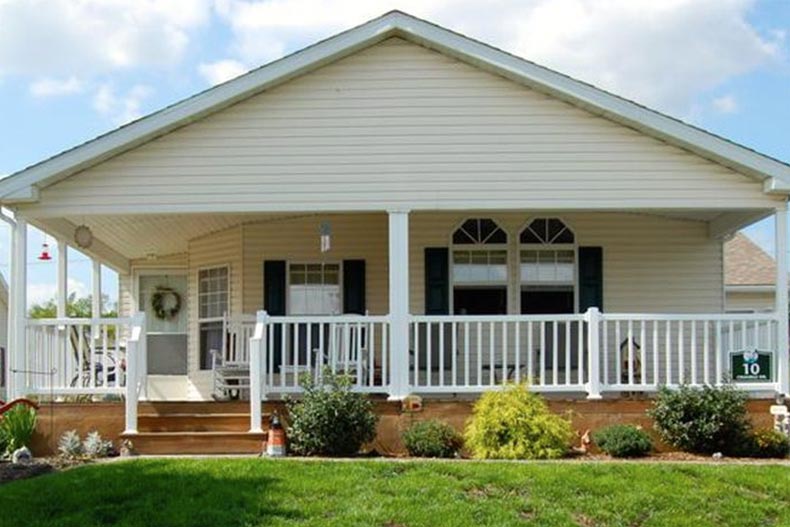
(745,263)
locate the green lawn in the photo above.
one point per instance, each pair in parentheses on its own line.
(231,492)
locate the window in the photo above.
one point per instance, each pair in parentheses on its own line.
(547,267)
(314,288)
(314,274)
(213,304)
(479,268)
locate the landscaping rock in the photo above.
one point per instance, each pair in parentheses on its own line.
(22,456)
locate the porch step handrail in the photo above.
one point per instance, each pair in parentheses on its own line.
(136,368)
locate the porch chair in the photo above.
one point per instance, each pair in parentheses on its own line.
(346,352)
(230,368)
(82,362)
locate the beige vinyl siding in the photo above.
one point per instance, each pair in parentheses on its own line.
(354,236)
(651,264)
(398,125)
(742,301)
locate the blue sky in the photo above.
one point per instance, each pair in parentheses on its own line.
(73,70)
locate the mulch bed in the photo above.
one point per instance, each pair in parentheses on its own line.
(15,471)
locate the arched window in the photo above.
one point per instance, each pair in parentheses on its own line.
(547,267)
(479,270)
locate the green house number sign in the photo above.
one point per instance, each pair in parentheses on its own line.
(751,366)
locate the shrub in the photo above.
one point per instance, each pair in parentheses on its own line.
(70,445)
(17,427)
(768,443)
(432,439)
(623,441)
(702,420)
(516,424)
(330,419)
(95,446)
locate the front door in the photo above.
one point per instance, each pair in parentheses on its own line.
(162,296)
(313,290)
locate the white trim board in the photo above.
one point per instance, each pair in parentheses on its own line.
(23,186)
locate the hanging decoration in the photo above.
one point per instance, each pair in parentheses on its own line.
(83,236)
(325,230)
(165,302)
(45,256)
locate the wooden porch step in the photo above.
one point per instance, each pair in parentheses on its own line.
(195,422)
(175,443)
(164,408)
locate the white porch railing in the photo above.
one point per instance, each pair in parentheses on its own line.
(292,346)
(591,353)
(76,356)
(641,352)
(476,353)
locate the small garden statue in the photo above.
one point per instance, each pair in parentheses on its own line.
(127,448)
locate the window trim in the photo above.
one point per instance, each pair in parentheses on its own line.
(200,320)
(228,312)
(470,247)
(548,246)
(288,284)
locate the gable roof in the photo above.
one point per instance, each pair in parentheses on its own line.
(746,264)
(24,185)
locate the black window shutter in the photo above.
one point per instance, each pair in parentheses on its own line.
(437,281)
(274,292)
(274,287)
(354,286)
(590,278)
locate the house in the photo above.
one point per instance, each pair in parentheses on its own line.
(412,207)
(749,276)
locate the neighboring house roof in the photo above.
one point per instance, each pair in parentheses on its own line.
(747,265)
(24,185)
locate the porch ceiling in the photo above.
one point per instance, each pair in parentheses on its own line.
(140,236)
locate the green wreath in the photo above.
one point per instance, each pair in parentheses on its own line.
(166,302)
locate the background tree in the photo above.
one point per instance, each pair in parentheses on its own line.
(75,307)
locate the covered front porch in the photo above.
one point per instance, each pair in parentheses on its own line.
(583,304)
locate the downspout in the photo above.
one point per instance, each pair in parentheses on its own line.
(10,321)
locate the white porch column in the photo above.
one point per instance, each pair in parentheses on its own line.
(781,308)
(399,303)
(62,278)
(96,282)
(18,304)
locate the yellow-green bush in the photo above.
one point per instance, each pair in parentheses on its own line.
(516,424)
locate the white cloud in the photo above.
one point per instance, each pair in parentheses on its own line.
(660,53)
(88,37)
(725,104)
(221,71)
(41,292)
(49,87)
(121,107)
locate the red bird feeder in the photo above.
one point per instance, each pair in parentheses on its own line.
(45,256)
